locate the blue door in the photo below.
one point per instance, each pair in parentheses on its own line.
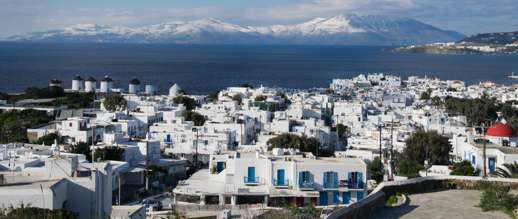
(280,177)
(220,166)
(359,196)
(336,197)
(492,164)
(251,174)
(346,198)
(323,198)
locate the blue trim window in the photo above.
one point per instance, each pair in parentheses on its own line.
(306,179)
(330,180)
(355,180)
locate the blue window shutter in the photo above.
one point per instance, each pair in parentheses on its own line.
(300,178)
(335,178)
(325,179)
(349,179)
(360,180)
(347,197)
(336,197)
(359,196)
(323,198)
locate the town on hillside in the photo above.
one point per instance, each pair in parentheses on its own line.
(92,150)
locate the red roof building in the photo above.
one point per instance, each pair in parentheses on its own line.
(500,130)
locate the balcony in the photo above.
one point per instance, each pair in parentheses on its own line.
(283,183)
(355,185)
(331,185)
(307,185)
(251,180)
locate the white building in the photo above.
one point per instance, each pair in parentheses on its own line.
(276,179)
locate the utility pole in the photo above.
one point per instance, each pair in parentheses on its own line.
(484,148)
(147,165)
(119,181)
(196,146)
(381,152)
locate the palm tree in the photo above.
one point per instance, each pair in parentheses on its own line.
(507,171)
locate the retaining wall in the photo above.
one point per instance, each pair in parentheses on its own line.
(366,207)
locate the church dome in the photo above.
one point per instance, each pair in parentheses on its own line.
(500,130)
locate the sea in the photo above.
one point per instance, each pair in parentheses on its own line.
(203,69)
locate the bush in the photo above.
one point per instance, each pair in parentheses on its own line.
(109,153)
(48,139)
(237,98)
(302,143)
(375,170)
(14,124)
(195,117)
(188,102)
(82,148)
(464,168)
(496,197)
(33,212)
(115,102)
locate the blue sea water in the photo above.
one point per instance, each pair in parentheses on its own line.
(206,68)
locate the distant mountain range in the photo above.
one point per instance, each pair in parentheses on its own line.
(337,30)
(484,43)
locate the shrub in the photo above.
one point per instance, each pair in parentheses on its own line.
(496,197)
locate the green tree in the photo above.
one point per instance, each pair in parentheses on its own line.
(342,130)
(375,170)
(430,145)
(260,98)
(426,94)
(188,102)
(509,170)
(195,117)
(408,168)
(82,148)
(115,102)
(33,212)
(302,143)
(213,97)
(237,98)
(14,124)
(109,153)
(48,139)
(497,197)
(464,168)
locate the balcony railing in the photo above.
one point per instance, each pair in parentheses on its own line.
(281,183)
(251,180)
(307,185)
(355,185)
(331,185)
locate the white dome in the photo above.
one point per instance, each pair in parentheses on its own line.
(174,90)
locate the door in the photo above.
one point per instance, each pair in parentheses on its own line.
(251,174)
(323,198)
(280,177)
(359,196)
(346,198)
(492,164)
(220,166)
(336,197)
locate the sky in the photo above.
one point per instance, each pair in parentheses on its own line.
(465,16)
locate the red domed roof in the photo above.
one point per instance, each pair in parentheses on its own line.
(500,130)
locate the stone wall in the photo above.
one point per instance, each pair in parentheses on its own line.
(366,207)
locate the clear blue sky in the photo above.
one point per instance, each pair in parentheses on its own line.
(466,16)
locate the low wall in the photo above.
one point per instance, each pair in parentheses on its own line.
(366,207)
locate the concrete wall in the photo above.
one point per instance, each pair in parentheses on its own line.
(376,199)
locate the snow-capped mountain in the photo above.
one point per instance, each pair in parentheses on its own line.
(337,30)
